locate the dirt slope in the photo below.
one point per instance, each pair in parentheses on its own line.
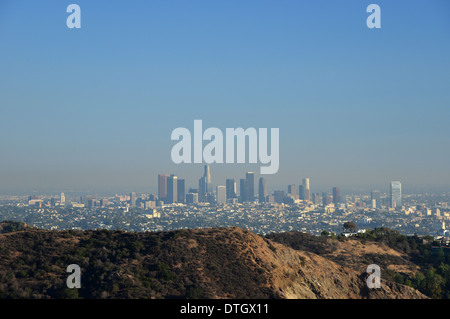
(201,263)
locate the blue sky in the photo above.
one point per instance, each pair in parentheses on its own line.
(94,108)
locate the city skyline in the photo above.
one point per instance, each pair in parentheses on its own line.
(173,189)
(221,203)
(175,193)
(249,190)
(160,188)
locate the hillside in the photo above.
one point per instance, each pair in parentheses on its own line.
(353,252)
(200,263)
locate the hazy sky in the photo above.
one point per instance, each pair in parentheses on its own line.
(94,108)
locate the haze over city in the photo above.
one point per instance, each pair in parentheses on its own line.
(92,109)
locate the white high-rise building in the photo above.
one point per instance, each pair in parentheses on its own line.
(207,176)
(221,194)
(262,190)
(172,189)
(306,189)
(133,199)
(231,188)
(396,194)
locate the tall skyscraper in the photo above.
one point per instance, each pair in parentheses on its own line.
(325,199)
(202,189)
(231,188)
(336,195)
(181,191)
(250,182)
(172,187)
(262,190)
(133,199)
(316,198)
(396,194)
(207,176)
(301,192)
(221,195)
(306,189)
(162,186)
(243,190)
(62,199)
(204,184)
(292,191)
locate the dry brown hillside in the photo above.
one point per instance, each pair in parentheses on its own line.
(200,263)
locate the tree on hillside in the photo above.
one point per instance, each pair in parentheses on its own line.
(350,226)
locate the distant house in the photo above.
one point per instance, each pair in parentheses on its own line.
(347,234)
(350,234)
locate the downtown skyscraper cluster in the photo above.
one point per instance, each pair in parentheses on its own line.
(172,190)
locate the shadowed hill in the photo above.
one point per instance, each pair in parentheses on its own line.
(198,263)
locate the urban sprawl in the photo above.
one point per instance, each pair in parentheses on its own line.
(296,208)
